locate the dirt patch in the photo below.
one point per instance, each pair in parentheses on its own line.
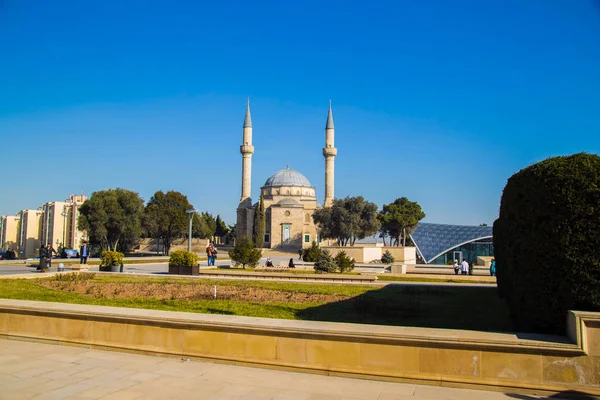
(176,291)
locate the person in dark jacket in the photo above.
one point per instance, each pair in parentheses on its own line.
(291,263)
(49,251)
(43,258)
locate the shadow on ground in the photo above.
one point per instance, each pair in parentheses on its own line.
(451,307)
(569,394)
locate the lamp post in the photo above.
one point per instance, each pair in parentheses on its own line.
(64,215)
(190,213)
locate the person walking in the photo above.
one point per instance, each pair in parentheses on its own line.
(43,259)
(456,267)
(209,254)
(49,251)
(214,253)
(300,254)
(83,254)
(464,266)
(493,267)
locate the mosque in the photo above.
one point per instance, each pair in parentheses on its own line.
(289,198)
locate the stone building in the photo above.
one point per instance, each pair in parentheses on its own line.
(289,198)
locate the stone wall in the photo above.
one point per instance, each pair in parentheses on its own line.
(365,253)
(539,363)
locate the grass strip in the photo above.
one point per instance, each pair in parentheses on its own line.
(451,307)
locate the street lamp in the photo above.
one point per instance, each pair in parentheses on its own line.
(190,213)
(64,215)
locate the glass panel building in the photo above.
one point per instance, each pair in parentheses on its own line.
(442,244)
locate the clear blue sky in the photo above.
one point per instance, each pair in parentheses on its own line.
(439,101)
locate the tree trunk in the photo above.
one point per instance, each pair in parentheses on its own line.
(403,237)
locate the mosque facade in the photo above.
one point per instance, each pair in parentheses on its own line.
(289,198)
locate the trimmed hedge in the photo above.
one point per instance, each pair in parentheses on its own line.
(183,258)
(547,242)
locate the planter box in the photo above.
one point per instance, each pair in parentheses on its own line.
(184,270)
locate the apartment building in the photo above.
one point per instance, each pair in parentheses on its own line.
(59,222)
(9,228)
(29,233)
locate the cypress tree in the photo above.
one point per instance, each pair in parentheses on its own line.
(260,224)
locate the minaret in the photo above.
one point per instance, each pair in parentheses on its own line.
(329,152)
(247,150)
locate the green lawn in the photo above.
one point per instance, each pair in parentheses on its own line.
(421,279)
(454,307)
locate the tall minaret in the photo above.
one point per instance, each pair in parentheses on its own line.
(247,150)
(329,152)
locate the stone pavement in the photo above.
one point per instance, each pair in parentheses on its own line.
(44,371)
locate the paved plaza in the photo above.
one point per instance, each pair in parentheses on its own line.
(45,371)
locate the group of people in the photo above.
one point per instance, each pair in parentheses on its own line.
(46,253)
(211,253)
(269,263)
(464,267)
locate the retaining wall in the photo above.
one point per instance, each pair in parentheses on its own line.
(507,362)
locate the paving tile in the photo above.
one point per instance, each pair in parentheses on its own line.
(124,395)
(63,392)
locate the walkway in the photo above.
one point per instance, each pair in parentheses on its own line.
(45,371)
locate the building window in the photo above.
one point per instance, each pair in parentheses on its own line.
(297,192)
(287,213)
(267,238)
(307,218)
(306,238)
(287,192)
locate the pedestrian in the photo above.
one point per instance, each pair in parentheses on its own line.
(49,251)
(493,267)
(291,263)
(209,254)
(300,254)
(83,254)
(214,254)
(456,267)
(464,265)
(43,258)
(269,263)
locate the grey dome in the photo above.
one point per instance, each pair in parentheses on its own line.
(288,177)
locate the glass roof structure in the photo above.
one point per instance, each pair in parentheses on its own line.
(433,240)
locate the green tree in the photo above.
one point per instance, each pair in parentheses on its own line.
(221,228)
(199,228)
(343,262)
(166,218)
(400,218)
(387,258)
(211,225)
(260,224)
(325,263)
(110,216)
(347,220)
(312,253)
(244,253)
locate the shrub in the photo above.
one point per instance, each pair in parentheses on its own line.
(111,258)
(244,253)
(343,262)
(183,258)
(387,258)
(546,242)
(325,263)
(312,253)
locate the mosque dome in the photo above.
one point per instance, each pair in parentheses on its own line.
(288,177)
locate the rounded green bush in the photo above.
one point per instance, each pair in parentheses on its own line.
(111,258)
(183,258)
(547,242)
